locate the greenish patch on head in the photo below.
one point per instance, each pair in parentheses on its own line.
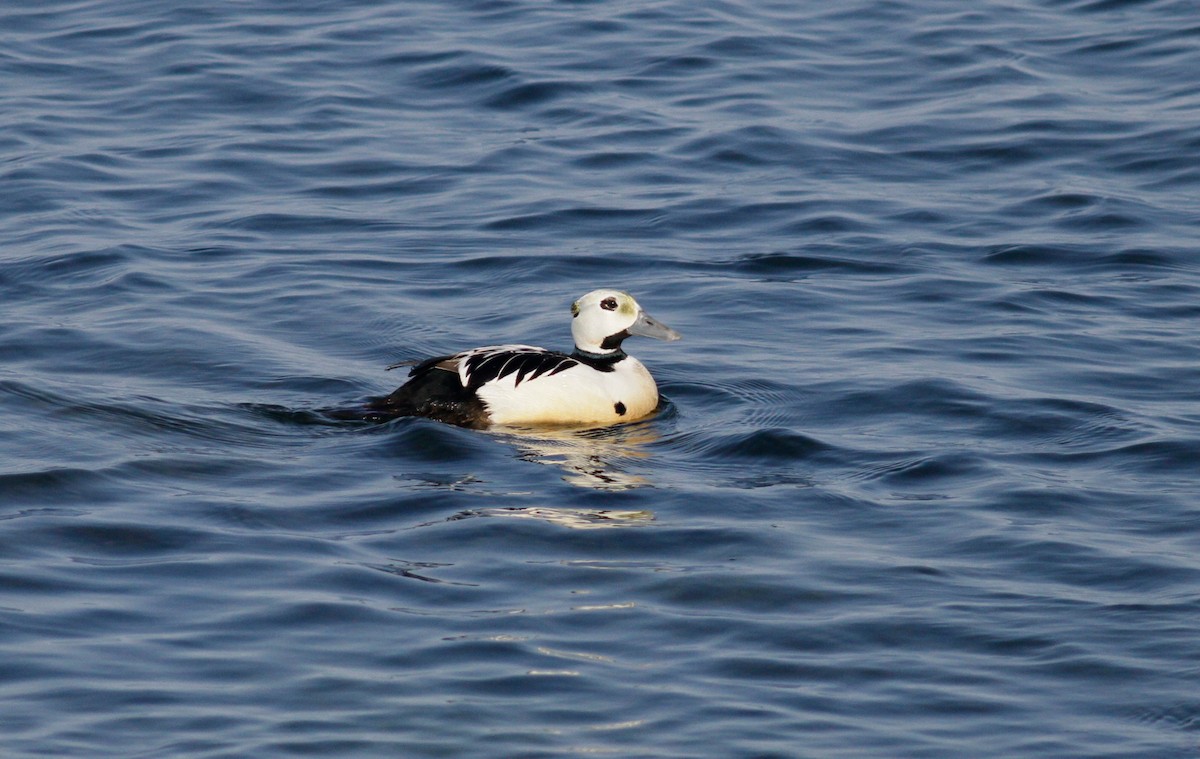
(628,306)
(574,309)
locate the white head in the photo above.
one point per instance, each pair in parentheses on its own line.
(601,319)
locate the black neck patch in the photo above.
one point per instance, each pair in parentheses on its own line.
(614,341)
(601,362)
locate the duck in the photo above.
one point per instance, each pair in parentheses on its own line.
(597,384)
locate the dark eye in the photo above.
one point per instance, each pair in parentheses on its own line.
(609,304)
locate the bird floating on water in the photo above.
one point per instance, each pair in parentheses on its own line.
(520,385)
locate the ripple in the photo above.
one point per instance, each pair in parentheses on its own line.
(530,94)
(26,491)
(1183,716)
(798,264)
(451,75)
(1026,255)
(925,469)
(597,218)
(763,444)
(416,570)
(930,470)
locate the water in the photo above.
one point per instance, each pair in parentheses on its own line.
(925,484)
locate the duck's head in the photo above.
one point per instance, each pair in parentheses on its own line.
(601,319)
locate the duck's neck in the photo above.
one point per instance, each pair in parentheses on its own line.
(604,361)
(603,356)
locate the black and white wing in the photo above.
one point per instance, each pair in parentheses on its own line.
(495,362)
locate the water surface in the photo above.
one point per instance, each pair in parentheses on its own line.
(925,481)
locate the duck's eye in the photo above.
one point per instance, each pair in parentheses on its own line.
(609,304)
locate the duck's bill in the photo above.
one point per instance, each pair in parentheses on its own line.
(648,326)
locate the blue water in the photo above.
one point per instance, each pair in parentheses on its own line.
(926,483)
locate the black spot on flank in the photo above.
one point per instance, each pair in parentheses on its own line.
(619,408)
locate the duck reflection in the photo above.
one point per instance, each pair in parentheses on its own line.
(590,458)
(576,519)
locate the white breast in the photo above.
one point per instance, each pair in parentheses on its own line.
(578,395)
